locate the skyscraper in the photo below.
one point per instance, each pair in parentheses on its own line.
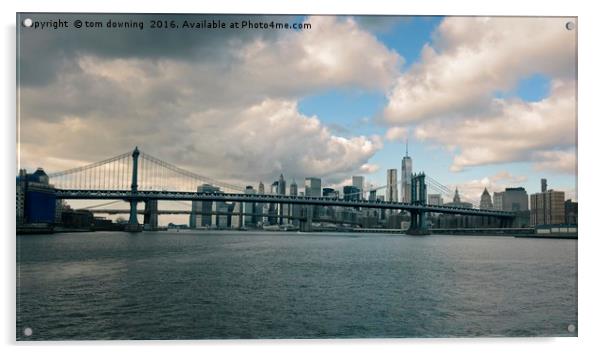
(406,177)
(486,202)
(392,194)
(281,185)
(498,200)
(293,188)
(358,182)
(435,199)
(250,208)
(313,187)
(261,206)
(547,208)
(351,193)
(515,199)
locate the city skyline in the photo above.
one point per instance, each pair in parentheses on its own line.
(347,113)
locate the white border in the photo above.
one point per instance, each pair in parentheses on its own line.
(589,173)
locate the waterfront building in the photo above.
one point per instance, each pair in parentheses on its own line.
(486,202)
(547,208)
(358,182)
(515,199)
(36,199)
(406,177)
(570,212)
(391,195)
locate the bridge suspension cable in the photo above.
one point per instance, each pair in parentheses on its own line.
(154,171)
(115,173)
(439,187)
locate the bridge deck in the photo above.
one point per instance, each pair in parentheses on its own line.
(270,198)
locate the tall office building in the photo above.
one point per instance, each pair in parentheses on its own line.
(201,215)
(358,182)
(293,190)
(330,193)
(294,209)
(406,177)
(313,187)
(544,185)
(351,193)
(547,208)
(392,194)
(435,199)
(261,207)
(511,199)
(486,202)
(372,196)
(250,208)
(281,185)
(498,200)
(515,199)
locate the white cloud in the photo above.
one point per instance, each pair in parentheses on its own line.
(474,57)
(557,161)
(512,130)
(396,134)
(449,95)
(231,116)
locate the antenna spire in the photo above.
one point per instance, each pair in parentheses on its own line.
(406,146)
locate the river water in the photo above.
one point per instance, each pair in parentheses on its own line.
(198,285)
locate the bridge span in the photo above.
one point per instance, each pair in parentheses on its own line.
(138,177)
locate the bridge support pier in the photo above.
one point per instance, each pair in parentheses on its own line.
(418,217)
(151,217)
(305,224)
(133,225)
(418,224)
(240,216)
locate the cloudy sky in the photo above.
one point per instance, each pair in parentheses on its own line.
(484,102)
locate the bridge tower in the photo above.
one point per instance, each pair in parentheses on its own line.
(418,198)
(133,225)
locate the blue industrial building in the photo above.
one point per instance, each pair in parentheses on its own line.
(36,198)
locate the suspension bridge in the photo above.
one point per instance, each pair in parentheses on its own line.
(136,177)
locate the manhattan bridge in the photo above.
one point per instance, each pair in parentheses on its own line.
(136,177)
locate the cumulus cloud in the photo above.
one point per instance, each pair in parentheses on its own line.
(474,57)
(396,134)
(231,116)
(512,130)
(449,95)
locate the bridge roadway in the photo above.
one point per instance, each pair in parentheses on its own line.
(270,198)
